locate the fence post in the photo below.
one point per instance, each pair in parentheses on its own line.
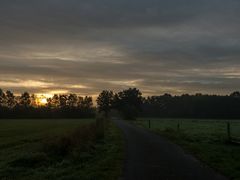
(149,124)
(229,131)
(178,126)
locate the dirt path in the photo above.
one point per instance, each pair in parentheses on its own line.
(151,157)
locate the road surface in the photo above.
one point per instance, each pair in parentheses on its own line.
(151,157)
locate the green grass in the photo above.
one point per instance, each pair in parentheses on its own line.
(59,149)
(206,139)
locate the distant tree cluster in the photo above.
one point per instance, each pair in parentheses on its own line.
(131,104)
(59,106)
(192,106)
(127,102)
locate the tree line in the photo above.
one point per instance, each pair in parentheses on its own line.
(127,102)
(193,106)
(59,106)
(132,104)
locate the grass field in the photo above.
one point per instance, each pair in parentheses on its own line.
(58,149)
(206,139)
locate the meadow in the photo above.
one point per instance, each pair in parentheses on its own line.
(59,149)
(206,139)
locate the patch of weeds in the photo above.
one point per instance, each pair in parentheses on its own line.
(80,140)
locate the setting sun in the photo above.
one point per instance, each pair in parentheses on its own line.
(43,101)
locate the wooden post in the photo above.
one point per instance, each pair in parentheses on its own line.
(229,131)
(178,126)
(149,124)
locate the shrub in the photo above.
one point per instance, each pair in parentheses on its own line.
(81,139)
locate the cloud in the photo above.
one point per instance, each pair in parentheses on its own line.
(84,47)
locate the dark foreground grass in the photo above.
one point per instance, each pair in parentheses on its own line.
(205,139)
(59,150)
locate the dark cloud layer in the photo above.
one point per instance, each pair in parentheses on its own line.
(176,46)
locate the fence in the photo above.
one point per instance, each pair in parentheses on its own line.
(223,129)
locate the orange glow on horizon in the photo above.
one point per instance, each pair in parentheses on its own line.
(41,99)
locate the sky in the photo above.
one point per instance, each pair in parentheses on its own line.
(86,46)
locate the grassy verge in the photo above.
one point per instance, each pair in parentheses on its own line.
(66,153)
(206,140)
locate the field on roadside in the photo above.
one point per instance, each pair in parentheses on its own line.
(206,139)
(58,149)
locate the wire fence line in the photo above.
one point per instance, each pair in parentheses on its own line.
(224,129)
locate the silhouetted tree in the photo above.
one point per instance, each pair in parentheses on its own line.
(79,102)
(235,94)
(129,102)
(25,100)
(33,99)
(72,100)
(87,102)
(2,98)
(105,101)
(55,102)
(11,102)
(63,101)
(49,103)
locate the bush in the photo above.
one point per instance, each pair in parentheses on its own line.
(81,139)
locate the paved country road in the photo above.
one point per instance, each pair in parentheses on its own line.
(151,157)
